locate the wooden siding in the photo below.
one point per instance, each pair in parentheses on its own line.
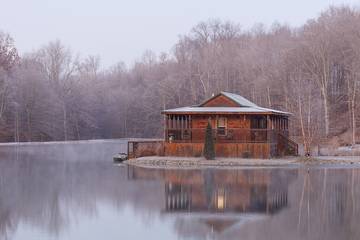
(233,122)
(253,150)
(240,121)
(200,122)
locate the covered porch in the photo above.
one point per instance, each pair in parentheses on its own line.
(225,128)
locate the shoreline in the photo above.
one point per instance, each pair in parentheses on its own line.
(200,162)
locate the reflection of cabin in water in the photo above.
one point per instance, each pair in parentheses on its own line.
(221,191)
(201,202)
(240,128)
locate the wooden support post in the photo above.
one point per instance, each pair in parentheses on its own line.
(283,123)
(287,124)
(165,126)
(182,126)
(275,122)
(268,122)
(190,127)
(215,126)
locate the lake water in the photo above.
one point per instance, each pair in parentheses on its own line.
(73,191)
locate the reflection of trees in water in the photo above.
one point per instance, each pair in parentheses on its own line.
(314,204)
(329,204)
(39,190)
(208,176)
(49,193)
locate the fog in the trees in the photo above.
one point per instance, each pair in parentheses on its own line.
(311,71)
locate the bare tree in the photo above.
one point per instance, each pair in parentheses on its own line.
(60,66)
(311,71)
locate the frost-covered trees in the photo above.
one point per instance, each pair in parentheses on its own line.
(311,71)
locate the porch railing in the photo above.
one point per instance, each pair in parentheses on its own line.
(238,135)
(145,148)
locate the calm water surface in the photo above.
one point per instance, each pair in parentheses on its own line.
(73,191)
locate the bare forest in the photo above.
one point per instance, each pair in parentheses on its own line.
(312,71)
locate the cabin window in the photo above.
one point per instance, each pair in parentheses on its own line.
(221,126)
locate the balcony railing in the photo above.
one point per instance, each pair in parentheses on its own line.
(228,135)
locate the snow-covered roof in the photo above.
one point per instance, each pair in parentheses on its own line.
(245,106)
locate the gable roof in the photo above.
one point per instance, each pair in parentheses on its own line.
(240,100)
(245,106)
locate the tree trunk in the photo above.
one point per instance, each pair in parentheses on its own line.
(77,127)
(306,147)
(268,96)
(29,125)
(353,125)
(65,122)
(326,111)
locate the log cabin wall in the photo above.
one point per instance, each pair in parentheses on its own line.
(233,122)
(200,122)
(239,122)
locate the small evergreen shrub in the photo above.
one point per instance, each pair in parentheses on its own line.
(246,154)
(209,147)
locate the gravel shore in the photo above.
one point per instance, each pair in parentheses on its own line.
(192,162)
(189,162)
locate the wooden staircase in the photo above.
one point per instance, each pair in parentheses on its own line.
(286,146)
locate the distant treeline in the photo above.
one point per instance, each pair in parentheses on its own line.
(312,71)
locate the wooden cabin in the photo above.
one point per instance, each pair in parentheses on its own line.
(240,129)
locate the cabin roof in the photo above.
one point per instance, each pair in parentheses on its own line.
(244,106)
(240,100)
(223,110)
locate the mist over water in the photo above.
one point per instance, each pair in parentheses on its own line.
(73,191)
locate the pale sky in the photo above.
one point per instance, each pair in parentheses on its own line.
(118,30)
